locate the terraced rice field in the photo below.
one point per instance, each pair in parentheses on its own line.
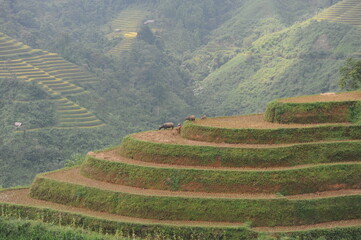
(345,11)
(58,77)
(171,180)
(126,26)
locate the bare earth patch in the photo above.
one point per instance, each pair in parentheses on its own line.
(172,137)
(325,97)
(256,121)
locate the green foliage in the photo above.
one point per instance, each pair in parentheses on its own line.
(109,228)
(24,225)
(262,212)
(75,159)
(293,155)
(348,233)
(154,82)
(287,181)
(271,135)
(30,152)
(145,34)
(300,60)
(350,74)
(317,112)
(12,229)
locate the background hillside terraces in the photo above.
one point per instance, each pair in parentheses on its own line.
(11,49)
(347,12)
(27,72)
(125,26)
(164,178)
(71,114)
(57,76)
(57,66)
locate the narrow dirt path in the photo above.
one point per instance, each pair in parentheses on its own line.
(73,176)
(112,155)
(21,197)
(256,121)
(327,97)
(172,137)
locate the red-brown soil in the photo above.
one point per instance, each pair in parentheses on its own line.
(345,96)
(255,121)
(172,137)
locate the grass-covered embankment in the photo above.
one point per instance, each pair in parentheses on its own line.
(201,155)
(88,227)
(287,182)
(270,136)
(99,227)
(313,112)
(17,229)
(261,212)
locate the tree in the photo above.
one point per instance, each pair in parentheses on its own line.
(350,74)
(146,34)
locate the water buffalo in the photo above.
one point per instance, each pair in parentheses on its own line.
(191,118)
(167,125)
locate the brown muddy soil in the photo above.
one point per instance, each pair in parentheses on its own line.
(254,121)
(172,137)
(326,97)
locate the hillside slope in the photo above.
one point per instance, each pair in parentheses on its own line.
(240,177)
(260,55)
(303,59)
(233,55)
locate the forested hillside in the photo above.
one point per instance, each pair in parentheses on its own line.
(194,57)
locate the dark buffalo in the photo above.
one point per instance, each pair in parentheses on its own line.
(167,125)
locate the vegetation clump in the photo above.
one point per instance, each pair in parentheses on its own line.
(351,74)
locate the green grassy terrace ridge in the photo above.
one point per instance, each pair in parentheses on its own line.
(68,187)
(17,203)
(168,147)
(294,178)
(328,116)
(327,107)
(286,181)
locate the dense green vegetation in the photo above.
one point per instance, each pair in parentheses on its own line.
(317,112)
(115,229)
(262,212)
(293,155)
(271,135)
(13,229)
(287,181)
(214,57)
(351,74)
(300,60)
